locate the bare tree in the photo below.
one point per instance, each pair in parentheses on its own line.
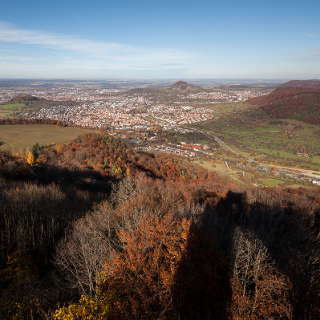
(122,191)
(257,284)
(88,245)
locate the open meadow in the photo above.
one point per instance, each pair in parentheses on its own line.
(244,178)
(19,138)
(283,141)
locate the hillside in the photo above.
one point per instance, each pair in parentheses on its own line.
(183,86)
(302,84)
(179,87)
(250,129)
(91,229)
(299,100)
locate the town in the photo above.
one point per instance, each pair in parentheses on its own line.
(95,106)
(151,119)
(142,116)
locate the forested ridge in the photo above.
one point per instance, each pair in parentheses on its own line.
(92,229)
(294,100)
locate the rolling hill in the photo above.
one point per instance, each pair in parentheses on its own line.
(297,99)
(302,84)
(183,86)
(175,88)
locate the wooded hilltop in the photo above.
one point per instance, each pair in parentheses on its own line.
(92,229)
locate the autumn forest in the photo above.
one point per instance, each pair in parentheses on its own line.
(92,229)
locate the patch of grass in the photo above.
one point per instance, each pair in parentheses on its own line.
(220,168)
(189,137)
(224,109)
(6,110)
(11,106)
(18,138)
(270,182)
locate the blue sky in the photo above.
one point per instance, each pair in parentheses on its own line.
(160,39)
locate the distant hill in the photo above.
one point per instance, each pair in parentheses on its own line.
(302,84)
(183,86)
(297,99)
(177,87)
(165,94)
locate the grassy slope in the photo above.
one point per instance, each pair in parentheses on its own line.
(267,139)
(243,178)
(220,168)
(20,137)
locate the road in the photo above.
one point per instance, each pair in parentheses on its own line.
(295,171)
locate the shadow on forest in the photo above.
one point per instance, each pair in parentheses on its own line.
(38,204)
(292,238)
(88,180)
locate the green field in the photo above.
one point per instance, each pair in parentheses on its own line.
(11,106)
(246,177)
(227,109)
(220,168)
(8,109)
(286,141)
(19,138)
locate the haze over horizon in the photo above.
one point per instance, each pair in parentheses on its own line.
(206,39)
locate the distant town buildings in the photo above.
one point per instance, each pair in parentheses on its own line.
(127,113)
(125,109)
